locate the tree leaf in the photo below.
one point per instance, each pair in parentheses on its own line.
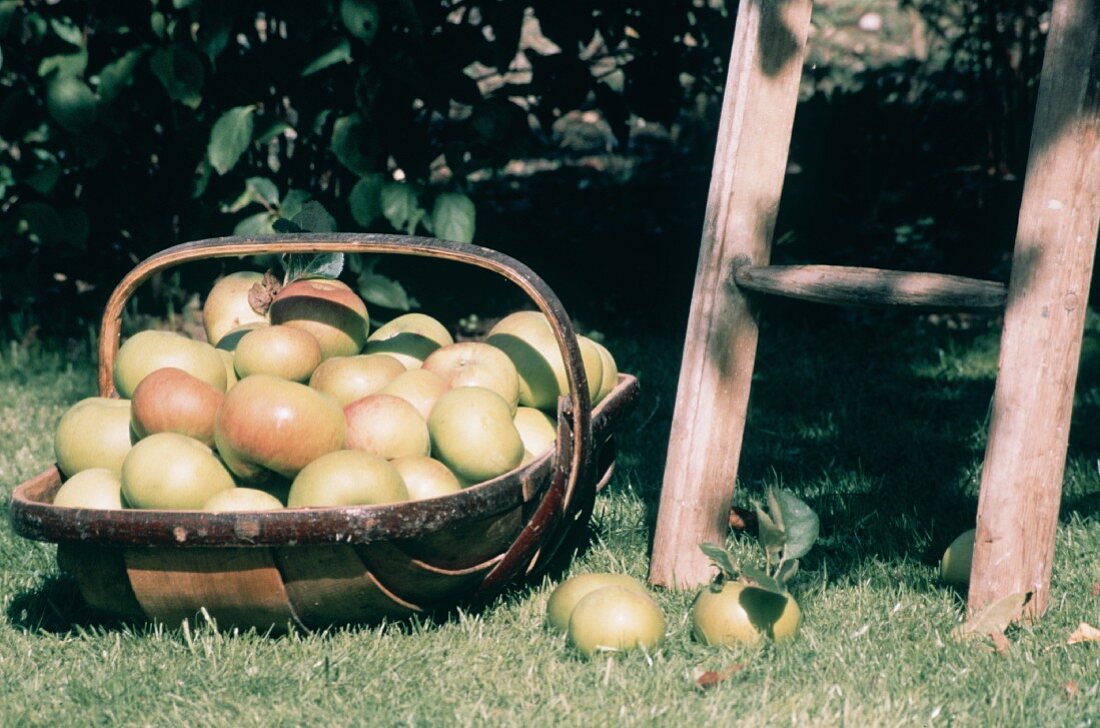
(67,30)
(360,17)
(282,225)
(337,49)
(273,129)
(365,199)
(230,137)
(760,578)
(181,73)
(314,218)
(45,179)
(355,145)
(312,265)
(258,224)
(721,559)
(994,619)
(382,291)
(401,207)
(454,217)
(800,523)
(292,203)
(256,189)
(70,64)
(119,73)
(787,571)
(215,28)
(70,102)
(771,535)
(200,179)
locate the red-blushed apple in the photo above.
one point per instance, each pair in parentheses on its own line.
(227,305)
(280,351)
(610,371)
(536,429)
(171,400)
(418,387)
(386,425)
(271,424)
(241,499)
(326,308)
(169,471)
(529,341)
(97,488)
(93,433)
(473,434)
(348,378)
(426,477)
(347,478)
(147,351)
(476,364)
(409,338)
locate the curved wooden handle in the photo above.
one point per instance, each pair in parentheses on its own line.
(573,455)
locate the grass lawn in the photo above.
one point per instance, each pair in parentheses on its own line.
(878,422)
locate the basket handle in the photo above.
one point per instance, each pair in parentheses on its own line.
(576,412)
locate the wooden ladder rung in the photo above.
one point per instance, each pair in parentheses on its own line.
(851,286)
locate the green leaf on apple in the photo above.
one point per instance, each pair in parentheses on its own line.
(721,559)
(799,521)
(771,534)
(760,578)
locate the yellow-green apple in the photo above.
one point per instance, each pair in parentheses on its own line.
(426,477)
(147,351)
(347,478)
(98,488)
(536,429)
(742,614)
(348,378)
(564,598)
(326,308)
(386,425)
(169,471)
(230,340)
(476,364)
(230,371)
(93,433)
(271,425)
(227,305)
(409,338)
(241,499)
(281,351)
(529,341)
(955,565)
(418,387)
(171,400)
(615,619)
(473,434)
(610,371)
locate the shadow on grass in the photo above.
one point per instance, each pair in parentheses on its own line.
(57,607)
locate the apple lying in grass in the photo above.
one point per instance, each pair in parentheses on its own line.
(957,559)
(281,351)
(387,426)
(147,351)
(409,338)
(476,364)
(241,499)
(169,471)
(566,596)
(93,433)
(419,387)
(171,400)
(736,613)
(616,619)
(271,424)
(347,478)
(98,488)
(426,477)
(348,378)
(326,308)
(227,305)
(472,433)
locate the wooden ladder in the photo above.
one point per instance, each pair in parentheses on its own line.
(1044,304)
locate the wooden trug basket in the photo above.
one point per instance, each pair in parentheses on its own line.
(314,567)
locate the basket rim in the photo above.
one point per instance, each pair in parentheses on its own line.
(34,516)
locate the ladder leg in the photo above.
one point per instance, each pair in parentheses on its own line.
(1044,319)
(749,164)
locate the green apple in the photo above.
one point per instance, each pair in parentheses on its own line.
(955,565)
(241,499)
(227,305)
(409,338)
(230,371)
(169,471)
(230,340)
(476,364)
(564,598)
(347,478)
(147,351)
(270,424)
(93,433)
(743,614)
(281,351)
(615,619)
(171,400)
(610,371)
(326,308)
(418,387)
(426,477)
(348,378)
(387,426)
(529,341)
(97,488)
(537,430)
(473,434)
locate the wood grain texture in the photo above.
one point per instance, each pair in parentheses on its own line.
(1044,318)
(853,286)
(712,397)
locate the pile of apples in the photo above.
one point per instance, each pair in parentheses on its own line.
(294,402)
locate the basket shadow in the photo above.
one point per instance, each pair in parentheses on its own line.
(57,607)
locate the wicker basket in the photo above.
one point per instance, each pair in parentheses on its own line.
(313,567)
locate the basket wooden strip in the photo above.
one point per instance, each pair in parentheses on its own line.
(101,575)
(419,582)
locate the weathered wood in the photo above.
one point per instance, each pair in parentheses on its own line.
(749,165)
(851,286)
(1044,318)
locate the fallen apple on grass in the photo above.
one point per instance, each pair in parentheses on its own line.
(565,597)
(957,559)
(616,619)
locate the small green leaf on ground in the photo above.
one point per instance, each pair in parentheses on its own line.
(230,137)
